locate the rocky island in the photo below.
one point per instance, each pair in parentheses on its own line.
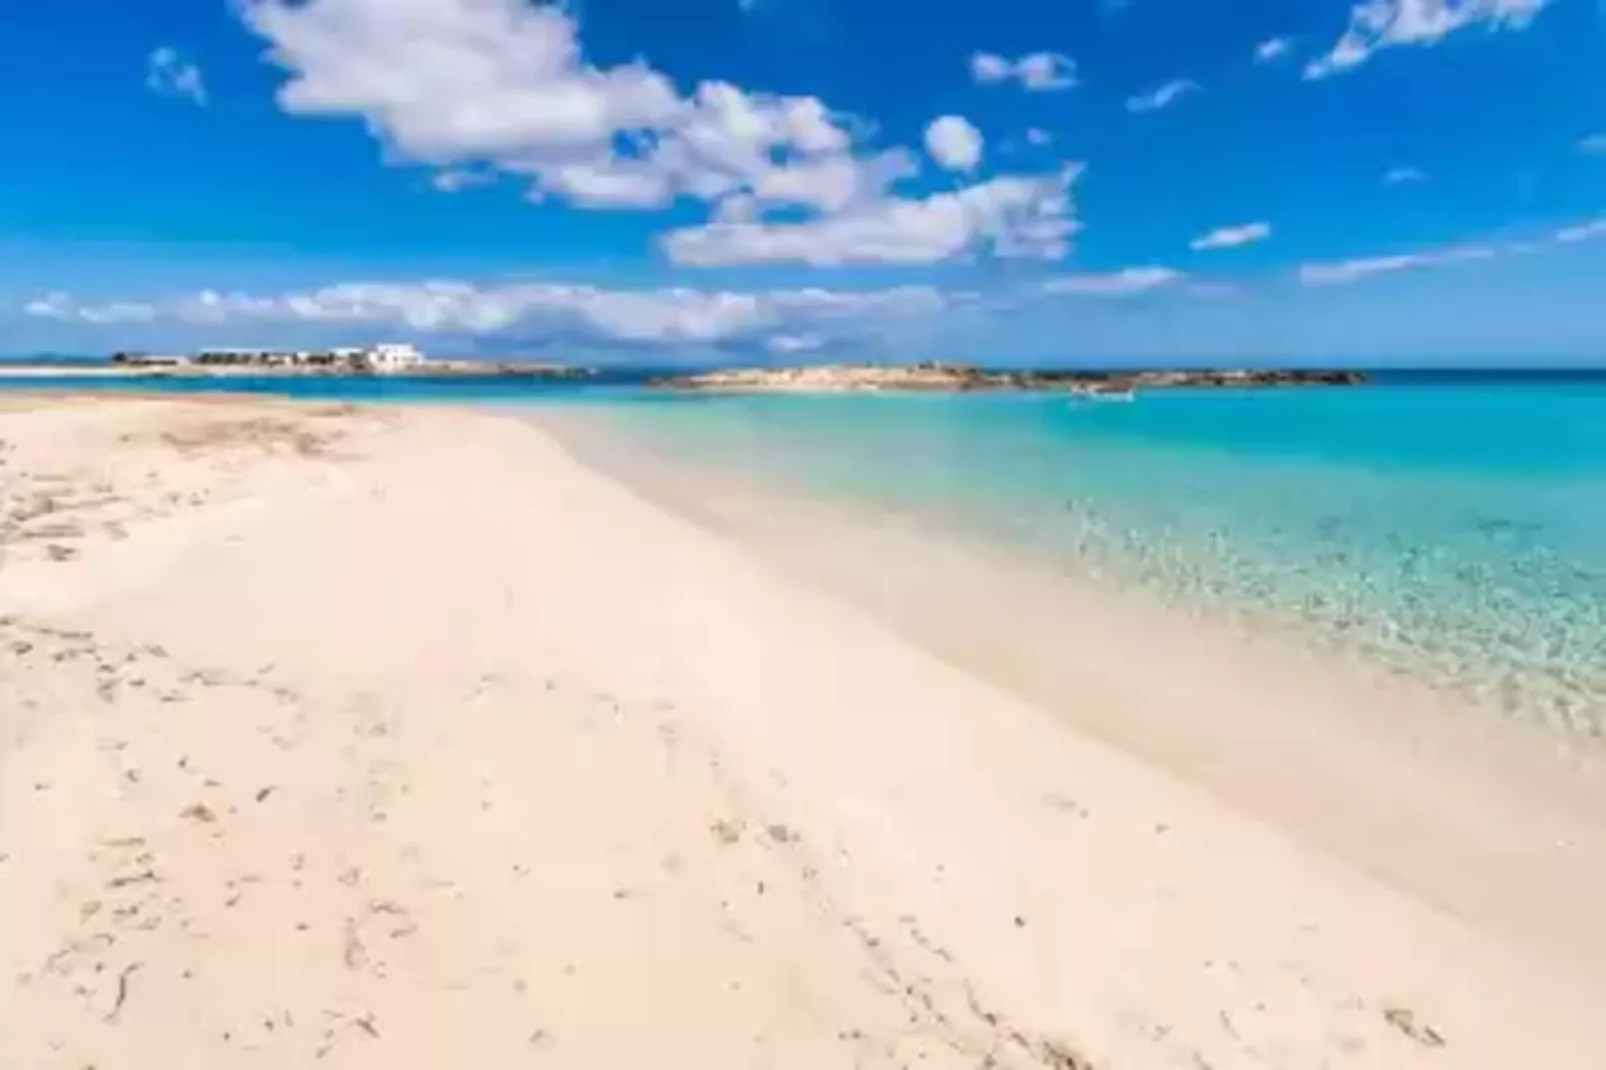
(930,376)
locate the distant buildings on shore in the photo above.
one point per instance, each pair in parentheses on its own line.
(384,357)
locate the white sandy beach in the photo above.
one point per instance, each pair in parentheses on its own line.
(402,738)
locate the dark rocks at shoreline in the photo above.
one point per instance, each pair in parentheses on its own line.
(963,378)
(535,371)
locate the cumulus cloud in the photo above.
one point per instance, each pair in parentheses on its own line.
(1010,216)
(1037,72)
(954,143)
(1343,271)
(1126,282)
(504,84)
(1231,237)
(489,87)
(1378,24)
(1162,96)
(649,316)
(169,74)
(1272,49)
(1403,176)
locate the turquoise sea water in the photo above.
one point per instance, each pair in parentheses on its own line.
(1452,527)
(1457,532)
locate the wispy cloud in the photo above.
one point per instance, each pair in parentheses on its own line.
(457,178)
(61,306)
(169,74)
(1404,176)
(1343,271)
(1231,237)
(794,343)
(1593,144)
(1594,228)
(664,316)
(1272,48)
(1037,72)
(1162,96)
(1378,24)
(1127,282)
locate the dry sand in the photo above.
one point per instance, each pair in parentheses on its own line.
(402,739)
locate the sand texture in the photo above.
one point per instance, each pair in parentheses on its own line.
(400,738)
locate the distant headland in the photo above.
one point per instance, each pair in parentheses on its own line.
(395,359)
(936,377)
(381,359)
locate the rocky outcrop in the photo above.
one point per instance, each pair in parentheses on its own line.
(508,369)
(964,377)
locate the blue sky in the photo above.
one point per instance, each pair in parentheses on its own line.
(1021,181)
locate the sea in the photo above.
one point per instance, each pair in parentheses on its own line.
(1448,526)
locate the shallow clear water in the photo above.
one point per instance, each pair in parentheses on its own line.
(1449,526)
(1455,533)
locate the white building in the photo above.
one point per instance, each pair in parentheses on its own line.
(385,357)
(390,357)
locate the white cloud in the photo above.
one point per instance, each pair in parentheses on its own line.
(1595,228)
(606,184)
(455,178)
(1010,216)
(989,68)
(503,84)
(169,74)
(1319,274)
(60,306)
(1046,71)
(1272,49)
(954,143)
(1593,144)
(1162,96)
(54,306)
(1037,72)
(1038,136)
(489,87)
(794,343)
(1231,237)
(1127,282)
(828,184)
(1380,24)
(663,315)
(1403,176)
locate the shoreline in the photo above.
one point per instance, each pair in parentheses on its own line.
(1216,713)
(602,782)
(440,369)
(822,379)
